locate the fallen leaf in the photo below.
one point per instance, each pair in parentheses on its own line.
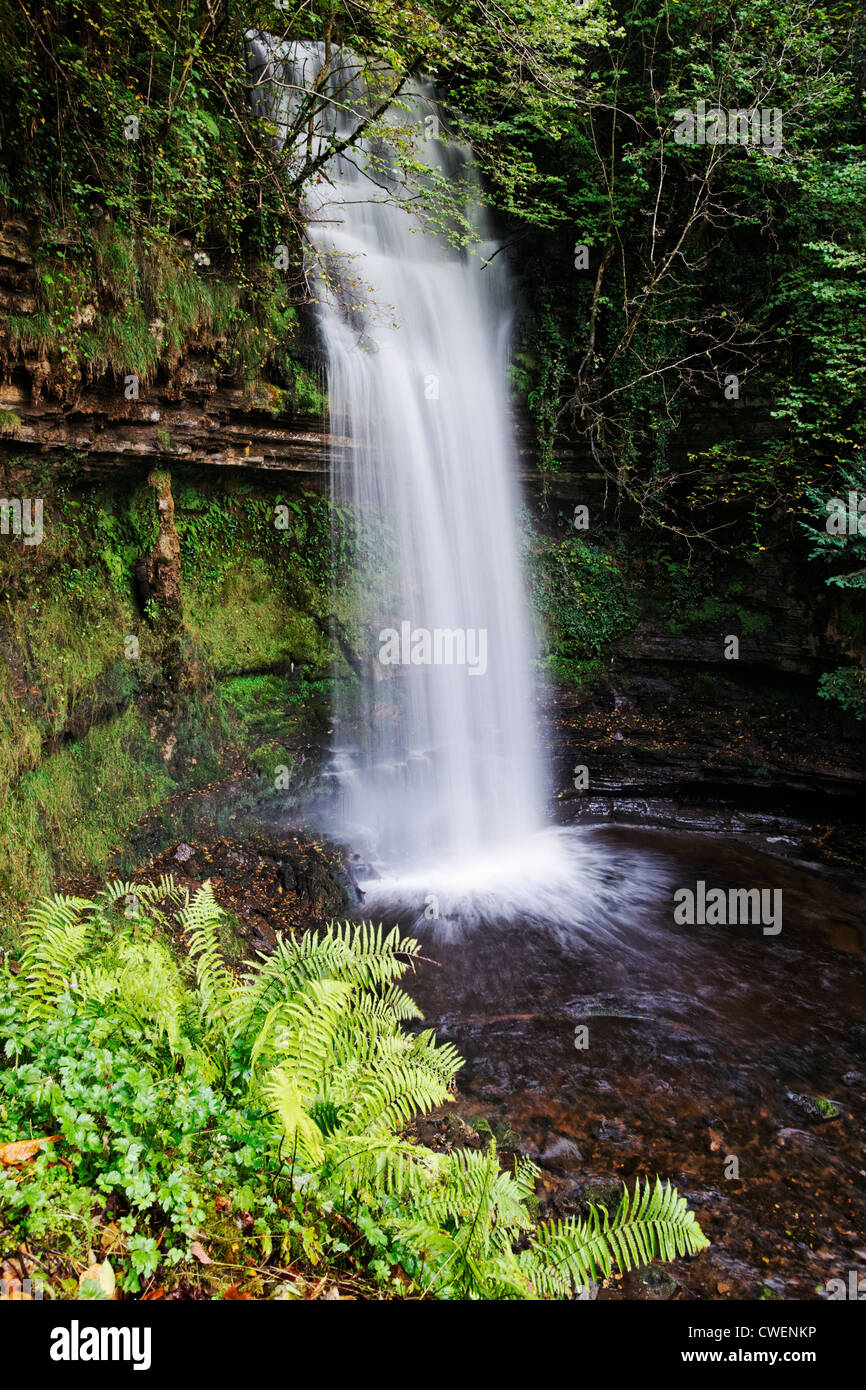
(22,1150)
(97,1281)
(109,1237)
(233,1292)
(200,1253)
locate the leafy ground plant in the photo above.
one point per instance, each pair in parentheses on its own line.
(263,1116)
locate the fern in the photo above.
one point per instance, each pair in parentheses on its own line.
(654,1222)
(150,991)
(217,987)
(56,937)
(313,1037)
(356,953)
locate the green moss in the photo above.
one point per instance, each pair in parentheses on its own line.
(712,609)
(309,393)
(67,815)
(10,421)
(582,603)
(111,301)
(243,624)
(255,706)
(255,597)
(261,714)
(271,760)
(121,343)
(828,1109)
(66,631)
(579,675)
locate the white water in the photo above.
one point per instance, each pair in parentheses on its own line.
(442,783)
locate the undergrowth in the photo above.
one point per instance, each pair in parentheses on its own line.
(263,1117)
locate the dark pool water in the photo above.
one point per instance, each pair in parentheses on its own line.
(701,1043)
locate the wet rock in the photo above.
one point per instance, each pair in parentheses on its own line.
(163,562)
(461,1135)
(262,935)
(492,1092)
(816,1107)
(587,1294)
(795,1136)
(856,1079)
(652,1285)
(614,1132)
(286,876)
(560,1152)
(659,1284)
(168,748)
(603,1194)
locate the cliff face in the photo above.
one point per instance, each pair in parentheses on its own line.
(91,425)
(193,422)
(160,539)
(162,633)
(674,709)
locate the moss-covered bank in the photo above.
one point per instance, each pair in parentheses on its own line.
(122,681)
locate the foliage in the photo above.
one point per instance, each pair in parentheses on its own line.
(706,261)
(68,814)
(163,184)
(840,541)
(77,711)
(580,598)
(177,1088)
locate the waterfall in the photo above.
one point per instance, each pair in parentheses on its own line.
(439,763)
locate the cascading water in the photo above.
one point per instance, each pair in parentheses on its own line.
(441,777)
(447,762)
(416,335)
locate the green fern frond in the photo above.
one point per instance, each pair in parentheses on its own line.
(139,900)
(302,1031)
(217,987)
(150,990)
(653,1222)
(372,1166)
(56,936)
(316,1032)
(355,953)
(300,1129)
